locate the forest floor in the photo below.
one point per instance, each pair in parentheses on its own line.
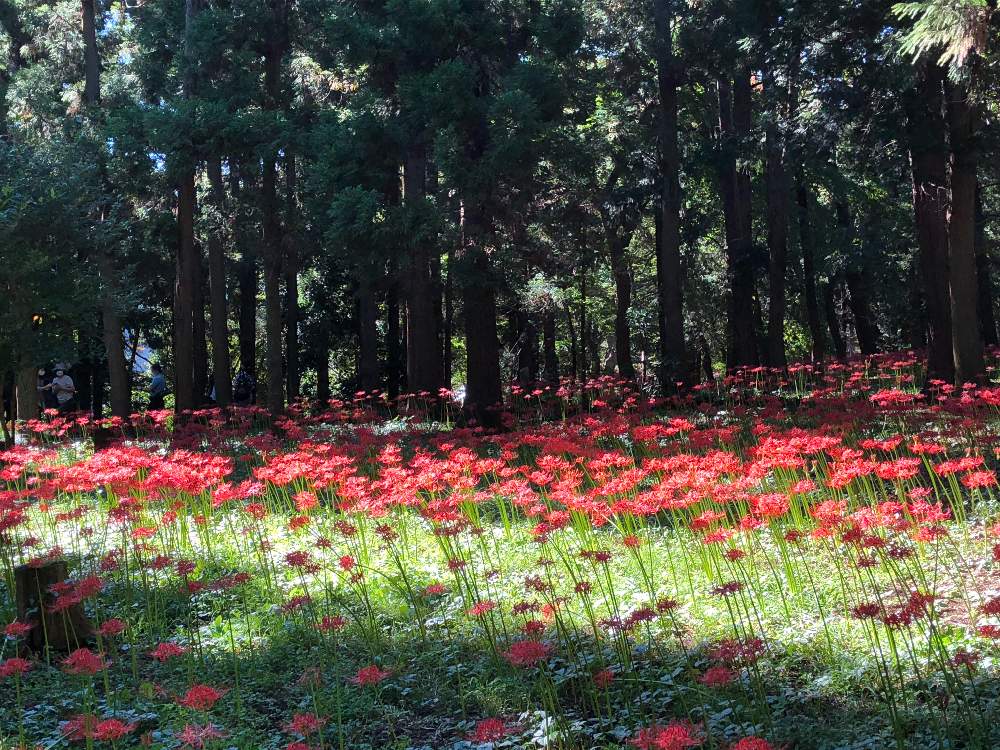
(800,562)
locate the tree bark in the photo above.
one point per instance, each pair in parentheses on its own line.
(199,354)
(26,393)
(184,295)
(833,320)
(482,344)
(393,344)
(277,44)
(929,169)
(449,320)
(323,370)
(734,124)
(92,62)
(806,244)
(550,357)
(984,275)
(369,376)
(855,275)
(423,363)
(967,343)
(291,272)
(111,322)
(221,364)
(777,243)
(669,284)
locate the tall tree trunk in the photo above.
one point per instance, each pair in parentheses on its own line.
(449,320)
(111,322)
(221,364)
(187,253)
(423,364)
(392,334)
(734,122)
(833,320)
(929,170)
(855,275)
(323,369)
(277,44)
(114,348)
(92,63)
(184,295)
(291,271)
(984,275)
(618,244)
(777,243)
(669,284)
(248,277)
(199,354)
(573,346)
(272,289)
(550,357)
(369,376)
(809,270)
(25,396)
(584,327)
(482,343)
(966,340)
(527,347)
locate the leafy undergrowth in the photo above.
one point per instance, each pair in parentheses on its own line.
(805,562)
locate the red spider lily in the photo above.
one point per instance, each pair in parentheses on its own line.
(201,697)
(677,735)
(17,629)
(527,653)
(112,730)
(480,609)
(370,675)
(305,724)
(84,661)
(166,651)
(490,730)
(752,743)
(111,628)
(15,666)
(79,727)
(717,676)
(604,679)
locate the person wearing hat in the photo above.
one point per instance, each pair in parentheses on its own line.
(63,388)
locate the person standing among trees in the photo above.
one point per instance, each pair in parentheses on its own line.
(64,389)
(157,388)
(244,389)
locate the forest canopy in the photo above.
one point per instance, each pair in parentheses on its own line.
(415,195)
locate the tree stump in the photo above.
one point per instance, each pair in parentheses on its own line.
(61,631)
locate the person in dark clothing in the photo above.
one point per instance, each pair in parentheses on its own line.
(244,389)
(157,388)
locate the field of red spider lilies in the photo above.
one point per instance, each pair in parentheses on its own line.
(807,560)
